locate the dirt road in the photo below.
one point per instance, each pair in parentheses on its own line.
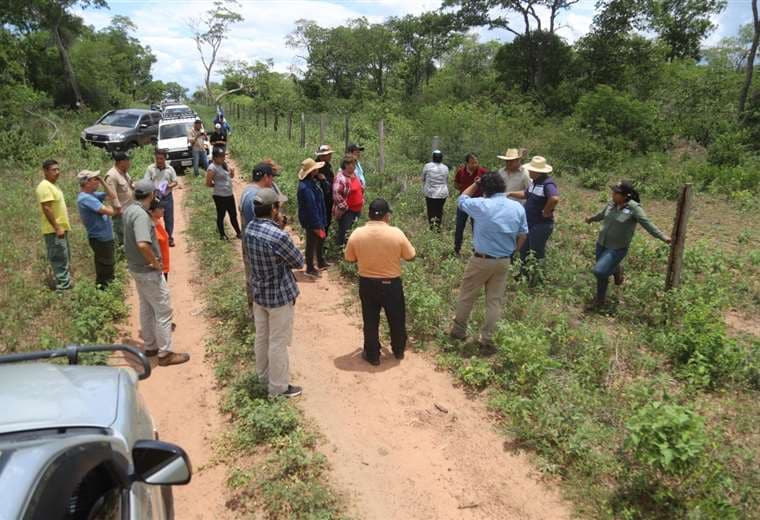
(182,399)
(394,453)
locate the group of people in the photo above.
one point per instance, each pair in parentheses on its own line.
(200,141)
(120,214)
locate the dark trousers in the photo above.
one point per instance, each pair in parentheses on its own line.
(314,247)
(459,231)
(169,214)
(104,261)
(435,212)
(344,225)
(538,236)
(607,264)
(387,294)
(226,205)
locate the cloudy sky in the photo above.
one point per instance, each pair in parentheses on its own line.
(163,26)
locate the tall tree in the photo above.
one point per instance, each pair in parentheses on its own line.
(750,59)
(54,16)
(210,32)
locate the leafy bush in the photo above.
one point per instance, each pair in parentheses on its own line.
(476,373)
(523,354)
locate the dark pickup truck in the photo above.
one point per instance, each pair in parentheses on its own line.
(121,130)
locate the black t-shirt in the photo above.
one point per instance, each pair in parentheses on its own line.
(218,136)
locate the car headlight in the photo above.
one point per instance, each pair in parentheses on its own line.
(117,137)
(83,135)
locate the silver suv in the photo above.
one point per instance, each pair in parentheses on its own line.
(76,442)
(121,130)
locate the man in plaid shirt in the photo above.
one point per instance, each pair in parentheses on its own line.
(273,255)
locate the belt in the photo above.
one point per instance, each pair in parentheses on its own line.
(489,257)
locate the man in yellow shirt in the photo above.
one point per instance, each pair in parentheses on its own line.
(378,249)
(54,224)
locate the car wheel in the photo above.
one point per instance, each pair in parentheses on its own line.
(130,146)
(168,498)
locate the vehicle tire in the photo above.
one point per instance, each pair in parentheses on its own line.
(130,146)
(168,499)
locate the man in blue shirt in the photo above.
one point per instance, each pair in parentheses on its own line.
(96,218)
(500,229)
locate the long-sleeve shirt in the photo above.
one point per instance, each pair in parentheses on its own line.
(619,225)
(341,193)
(311,205)
(272,254)
(435,180)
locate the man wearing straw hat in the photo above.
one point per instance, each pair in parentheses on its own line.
(96,218)
(326,177)
(514,174)
(311,214)
(541,197)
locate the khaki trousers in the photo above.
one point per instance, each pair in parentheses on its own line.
(274,330)
(155,311)
(487,273)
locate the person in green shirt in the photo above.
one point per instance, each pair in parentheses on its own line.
(619,219)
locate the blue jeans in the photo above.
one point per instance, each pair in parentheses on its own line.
(607,263)
(344,225)
(199,158)
(169,214)
(459,230)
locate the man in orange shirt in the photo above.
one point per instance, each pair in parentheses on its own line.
(378,249)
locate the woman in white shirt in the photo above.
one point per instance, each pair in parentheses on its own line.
(435,187)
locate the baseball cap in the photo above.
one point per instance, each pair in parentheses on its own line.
(88,174)
(267,197)
(143,188)
(198,120)
(262,169)
(353,147)
(379,208)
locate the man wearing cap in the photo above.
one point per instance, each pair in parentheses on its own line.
(326,178)
(196,139)
(435,187)
(542,196)
(143,254)
(465,177)
(218,137)
(96,218)
(378,248)
(120,182)
(273,256)
(356,151)
(311,214)
(500,230)
(515,176)
(54,223)
(164,180)
(262,176)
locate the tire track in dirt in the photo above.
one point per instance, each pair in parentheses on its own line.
(393,452)
(183,399)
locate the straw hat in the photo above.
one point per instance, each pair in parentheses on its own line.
(308,166)
(510,155)
(538,165)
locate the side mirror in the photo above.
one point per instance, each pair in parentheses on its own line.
(143,125)
(160,463)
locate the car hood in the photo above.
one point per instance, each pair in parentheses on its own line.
(40,395)
(177,143)
(106,129)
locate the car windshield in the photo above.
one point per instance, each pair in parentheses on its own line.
(177,110)
(120,119)
(174,131)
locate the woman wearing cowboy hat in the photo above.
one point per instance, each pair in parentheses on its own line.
(619,219)
(542,196)
(311,214)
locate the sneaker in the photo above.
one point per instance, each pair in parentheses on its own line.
(324,266)
(595,305)
(173,358)
(292,391)
(618,276)
(151,352)
(487,348)
(313,273)
(454,335)
(374,362)
(171,241)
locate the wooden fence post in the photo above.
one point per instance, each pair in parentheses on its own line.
(238,112)
(303,130)
(381,148)
(321,128)
(265,118)
(276,117)
(290,125)
(678,239)
(257,118)
(435,142)
(347,133)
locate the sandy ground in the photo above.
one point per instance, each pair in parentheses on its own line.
(182,399)
(403,443)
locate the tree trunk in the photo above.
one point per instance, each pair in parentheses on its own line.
(750,60)
(67,67)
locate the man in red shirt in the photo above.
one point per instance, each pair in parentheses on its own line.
(465,177)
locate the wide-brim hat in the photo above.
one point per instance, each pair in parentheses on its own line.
(510,155)
(88,174)
(539,165)
(324,150)
(308,166)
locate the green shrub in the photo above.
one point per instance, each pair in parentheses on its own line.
(476,373)
(523,354)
